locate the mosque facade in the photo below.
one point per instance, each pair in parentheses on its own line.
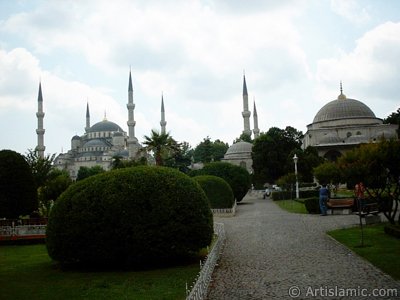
(100,142)
(342,124)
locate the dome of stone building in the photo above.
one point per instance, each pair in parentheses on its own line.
(241,149)
(343,108)
(105,125)
(76,137)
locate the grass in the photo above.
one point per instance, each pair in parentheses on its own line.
(380,249)
(292,206)
(27,272)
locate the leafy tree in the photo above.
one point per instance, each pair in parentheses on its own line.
(328,173)
(244,137)
(40,167)
(308,160)
(18,194)
(378,167)
(162,145)
(287,182)
(181,158)
(394,118)
(208,151)
(57,183)
(119,163)
(85,172)
(272,153)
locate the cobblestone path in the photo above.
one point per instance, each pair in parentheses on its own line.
(270,253)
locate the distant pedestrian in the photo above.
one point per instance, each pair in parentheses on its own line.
(359,191)
(323,198)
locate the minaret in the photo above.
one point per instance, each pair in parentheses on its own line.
(256,130)
(40,130)
(163,123)
(132,140)
(246,113)
(87,118)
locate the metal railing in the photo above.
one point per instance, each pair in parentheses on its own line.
(199,288)
(22,229)
(224,211)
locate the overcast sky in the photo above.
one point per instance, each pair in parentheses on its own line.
(294,54)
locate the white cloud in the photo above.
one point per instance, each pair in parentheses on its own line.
(369,72)
(351,11)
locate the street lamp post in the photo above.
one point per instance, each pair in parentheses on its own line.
(295,159)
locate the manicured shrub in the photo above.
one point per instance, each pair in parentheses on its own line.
(18,195)
(312,205)
(237,177)
(141,216)
(217,190)
(284,195)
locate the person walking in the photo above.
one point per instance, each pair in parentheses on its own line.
(323,198)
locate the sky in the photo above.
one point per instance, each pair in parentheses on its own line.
(294,54)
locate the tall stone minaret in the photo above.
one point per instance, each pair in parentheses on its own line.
(256,130)
(40,130)
(87,118)
(163,123)
(133,145)
(246,113)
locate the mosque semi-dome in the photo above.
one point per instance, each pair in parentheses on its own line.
(105,125)
(343,109)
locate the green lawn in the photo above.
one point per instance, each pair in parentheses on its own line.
(292,206)
(380,249)
(27,272)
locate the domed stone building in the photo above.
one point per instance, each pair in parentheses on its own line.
(102,141)
(240,154)
(342,124)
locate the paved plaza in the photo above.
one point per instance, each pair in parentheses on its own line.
(270,253)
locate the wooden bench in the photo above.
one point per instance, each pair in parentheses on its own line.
(366,209)
(340,203)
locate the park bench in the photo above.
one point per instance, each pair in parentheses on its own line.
(340,204)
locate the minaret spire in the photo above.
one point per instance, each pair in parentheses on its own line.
(163,123)
(40,130)
(87,117)
(246,113)
(133,146)
(256,130)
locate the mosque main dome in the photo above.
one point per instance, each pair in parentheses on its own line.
(105,125)
(343,108)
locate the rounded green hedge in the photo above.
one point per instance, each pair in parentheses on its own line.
(18,195)
(217,190)
(237,177)
(141,216)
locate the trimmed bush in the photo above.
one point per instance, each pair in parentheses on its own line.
(217,190)
(141,216)
(237,177)
(312,205)
(18,195)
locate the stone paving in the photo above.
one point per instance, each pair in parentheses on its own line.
(273,254)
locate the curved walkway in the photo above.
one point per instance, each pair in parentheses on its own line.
(269,251)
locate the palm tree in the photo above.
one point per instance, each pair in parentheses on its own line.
(161,144)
